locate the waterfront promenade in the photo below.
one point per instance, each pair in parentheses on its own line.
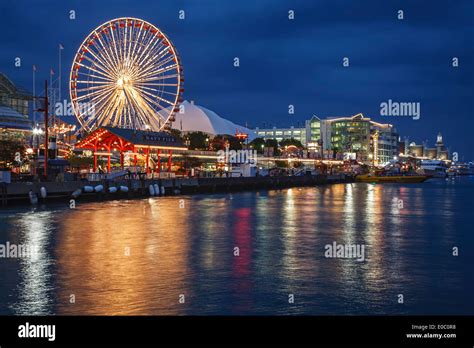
(19,192)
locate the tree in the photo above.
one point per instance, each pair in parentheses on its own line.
(176,133)
(273,143)
(234,143)
(197,141)
(258,144)
(220,141)
(8,150)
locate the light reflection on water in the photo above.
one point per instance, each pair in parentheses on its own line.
(138,257)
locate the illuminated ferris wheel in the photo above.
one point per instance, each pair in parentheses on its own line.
(126,74)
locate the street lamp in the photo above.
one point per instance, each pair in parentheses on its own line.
(37,130)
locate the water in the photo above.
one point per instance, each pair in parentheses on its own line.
(137,257)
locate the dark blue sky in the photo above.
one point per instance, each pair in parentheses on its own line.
(283,62)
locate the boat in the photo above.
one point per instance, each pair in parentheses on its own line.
(391,178)
(462,168)
(434,168)
(452,172)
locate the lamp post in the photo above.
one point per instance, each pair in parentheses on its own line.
(36,143)
(45,110)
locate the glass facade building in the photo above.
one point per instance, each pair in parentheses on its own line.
(356,137)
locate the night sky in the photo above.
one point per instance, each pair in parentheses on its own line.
(283,61)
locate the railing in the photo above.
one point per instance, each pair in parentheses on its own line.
(125,174)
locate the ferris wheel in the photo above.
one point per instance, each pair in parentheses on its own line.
(126,74)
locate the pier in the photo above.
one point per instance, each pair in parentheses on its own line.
(139,187)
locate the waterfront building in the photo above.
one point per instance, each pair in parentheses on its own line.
(131,146)
(439,152)
(349,136)
(313,130)
(280,134)
(354,137)
(384,141)
(416,150)
(14,109)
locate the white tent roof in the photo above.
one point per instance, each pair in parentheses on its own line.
(198,118)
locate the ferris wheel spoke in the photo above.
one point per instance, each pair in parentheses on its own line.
(103,62)
(141,109)
(100,53)
(146,64)
(158,109)
(130,42)
(156,84)
(159,78)
(94,82)
(107,69)
(125,56)
(150,67)
(153,102)
(106,51)
(147,38)
(88,95)
(97,91)
(114,51)
(153,73)
(159,69)
(109,108)
(150,89)
(93,88)
(89,76)
(101,100)
(161,92)
(153,49)
(94,70)
(150,38)
(155,96)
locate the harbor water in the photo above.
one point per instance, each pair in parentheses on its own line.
(247,253)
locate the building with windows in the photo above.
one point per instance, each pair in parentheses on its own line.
(280,134)
(14,109)
(385,143)
(354,137)
(347,136)
(439,152)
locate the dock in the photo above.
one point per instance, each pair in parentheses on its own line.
(18,193)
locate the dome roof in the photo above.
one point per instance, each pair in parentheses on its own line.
(198,118)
